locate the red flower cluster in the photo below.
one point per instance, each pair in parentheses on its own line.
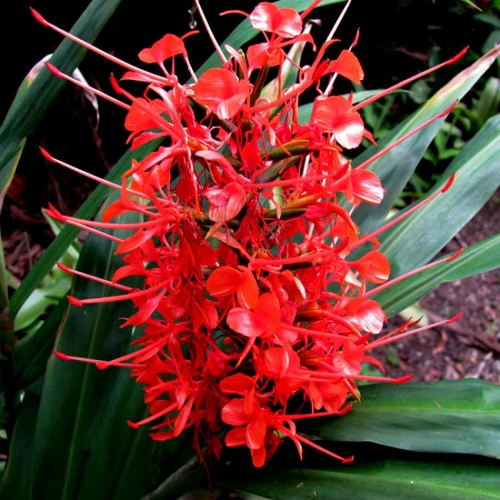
(254,313)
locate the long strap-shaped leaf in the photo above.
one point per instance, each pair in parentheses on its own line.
(416,478)
(67,235)
(454,416)
(44,90)
(84,411)
(419,237)
(476,259)
(396,167)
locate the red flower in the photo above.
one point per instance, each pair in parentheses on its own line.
(249,297)
(222,92)
(283,21)
(335,115)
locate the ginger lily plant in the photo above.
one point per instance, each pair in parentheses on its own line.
(253,294)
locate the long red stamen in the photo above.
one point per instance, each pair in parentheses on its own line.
(306,416)
(394,338)
(388,284)
(124,226)
(385,150)
(403,216)
(127,296)
(96,362)
(88,88)
(385,92)
(74,272)
(91,47)
(84,227)
(304,440)
(83,173)
(160,414)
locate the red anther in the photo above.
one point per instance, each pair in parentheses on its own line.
(54,70)
(38,17)
(348,460)
(449,183)
(132,424)
(458,56)
(115,84)
(449,109)
(47,155)
(402,380)
(64,267)
(456,254)
(455,318)
(74,301)
(61,355)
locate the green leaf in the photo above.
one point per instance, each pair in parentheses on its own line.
(477,172)
(453,416)
(489,100)
(414,477)
(35,102)
(33,351)
(16,479)
(244,32)
(476,259)
(396,167)
(68,234)
(82,442)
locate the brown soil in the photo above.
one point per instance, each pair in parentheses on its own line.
(469,348)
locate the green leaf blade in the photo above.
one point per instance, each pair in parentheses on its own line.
(441,417)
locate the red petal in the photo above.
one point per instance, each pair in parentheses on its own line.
(226,203)
(236,437)
(223,281)
(221,91)
(256,432)
(285,22)
(169,46)
(367,314)
(269,312)
(348,66)
(335,115)
(182,418)
(259,457)
(367,186)
(248,290)
(236,384)
(374,266)
(245,322)
(233,413)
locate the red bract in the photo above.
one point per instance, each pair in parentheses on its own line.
(169,46)
(284,22)
(335,116)
(222,92)
(250,297)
